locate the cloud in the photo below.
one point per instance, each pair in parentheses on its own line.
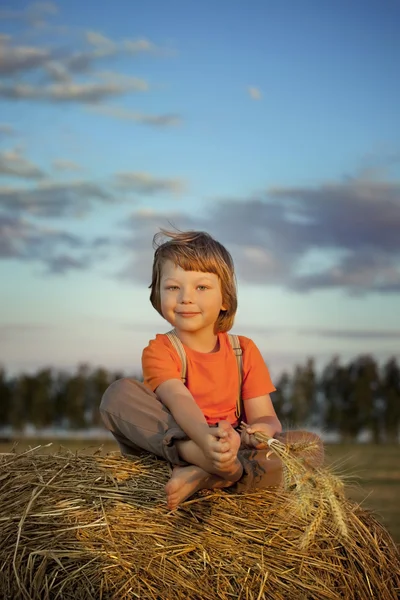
(353,334)
(16,59)
(103,47)
(351,227)
(56,250)
(107,47)
(57,71)
(357,272)
(22,239)
(23,327)
(58,265)
(10,330)
(88,92)
(63,75)
(13,164)
(167,120)
(147,184)
(6,130)
(74,198)
(355,223)
(33,14)
(103,44)
(254,93)
(136,240)
(54,199)
(61,164)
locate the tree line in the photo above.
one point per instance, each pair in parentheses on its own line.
(348,399)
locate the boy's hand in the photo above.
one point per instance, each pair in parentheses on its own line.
(221,446)
(248,439)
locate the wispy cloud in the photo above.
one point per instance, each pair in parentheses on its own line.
(137,233)
(56,250)
(6,130)
(147,184)
(61,164)
(16,59)
(14,164)
(274,235)
(353,334)
(254,93)
(33,14)
(28,241)
(118,112)
(10,331)
(88,92)
(108,47)
(54,199)
(104,45)
(51,74)
(62,263)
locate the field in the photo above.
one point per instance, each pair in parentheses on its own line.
(372,473)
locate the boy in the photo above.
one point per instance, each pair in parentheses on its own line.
(194,424)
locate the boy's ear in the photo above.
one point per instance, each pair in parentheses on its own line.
(224,307)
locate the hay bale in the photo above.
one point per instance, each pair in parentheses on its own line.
(79,527)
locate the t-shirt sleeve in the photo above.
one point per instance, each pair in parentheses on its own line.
(256,377)
(160,362)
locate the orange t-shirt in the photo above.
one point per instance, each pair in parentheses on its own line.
(213,378)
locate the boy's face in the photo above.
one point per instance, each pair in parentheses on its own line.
(190,300)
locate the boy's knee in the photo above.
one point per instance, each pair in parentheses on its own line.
(121,388)
(120,392)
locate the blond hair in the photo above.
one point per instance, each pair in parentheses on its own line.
(196,251)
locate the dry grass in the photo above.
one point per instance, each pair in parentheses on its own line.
(316,493)
(76,526)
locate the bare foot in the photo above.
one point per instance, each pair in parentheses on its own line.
(186,481)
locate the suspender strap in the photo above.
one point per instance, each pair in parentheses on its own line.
(235,343)
(177,344)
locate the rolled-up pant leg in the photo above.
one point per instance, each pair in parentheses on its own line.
(139,421)
(262,471)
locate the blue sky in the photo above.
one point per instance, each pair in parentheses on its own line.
(274,126)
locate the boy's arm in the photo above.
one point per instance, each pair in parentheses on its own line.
(260,416)
(180,402)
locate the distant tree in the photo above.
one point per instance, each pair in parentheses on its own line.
(75,398)
(391,400)
(348,399)
(364,376)
(99,381)
(5,398)
(60,398)
(340,412)
(303,393)
(41,399)
(117,375)
(280,398)
(330,391)
(20,411)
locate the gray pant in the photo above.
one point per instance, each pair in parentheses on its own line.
(140,422)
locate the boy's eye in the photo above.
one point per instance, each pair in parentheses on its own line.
(202,287)
(172,287)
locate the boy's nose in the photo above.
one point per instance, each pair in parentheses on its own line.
(185,296)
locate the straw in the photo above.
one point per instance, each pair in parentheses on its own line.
(76,526)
